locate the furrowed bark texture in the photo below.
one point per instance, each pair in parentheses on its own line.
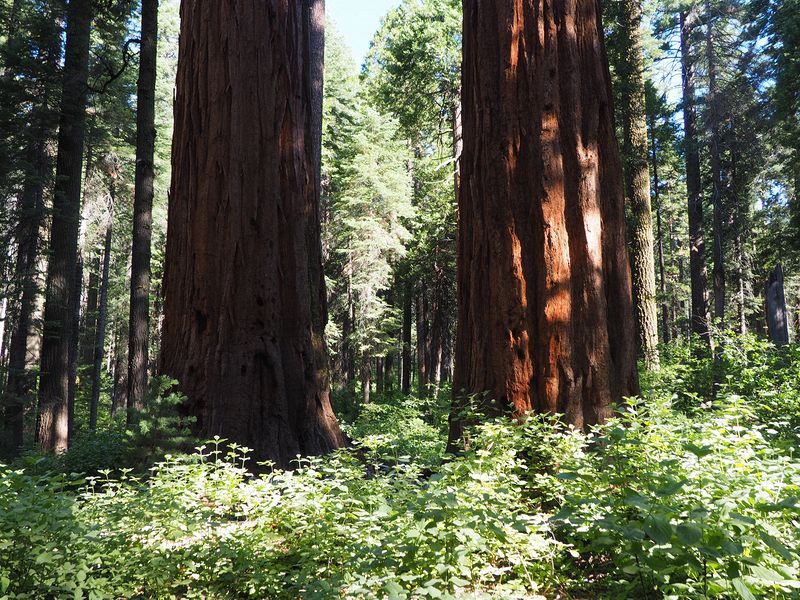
(21,383)
(139,324)
(244,296)
(545,309)
(637,182)
(52,418)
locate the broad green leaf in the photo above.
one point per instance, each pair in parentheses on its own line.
(658,528)
(741,588)
(689,533)
(777,545)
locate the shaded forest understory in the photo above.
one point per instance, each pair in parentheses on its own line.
(686,494)
(509,310)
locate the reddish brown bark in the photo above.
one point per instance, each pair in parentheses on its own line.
(244,295)
(545,310)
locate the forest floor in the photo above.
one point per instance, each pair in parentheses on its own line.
(692,492)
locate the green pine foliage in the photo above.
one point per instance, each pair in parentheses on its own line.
(367,196)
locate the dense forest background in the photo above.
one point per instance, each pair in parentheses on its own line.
(706,101)
(389,133)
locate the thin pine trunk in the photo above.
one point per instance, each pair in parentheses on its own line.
(100,336)
(716,170)
(53,411)
(89,328)
(139,324)
(697,266)
(637,182)
(423,348)
(120,382)
(665,305)
(405,382)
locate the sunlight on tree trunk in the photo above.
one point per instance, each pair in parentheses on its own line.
(545,309)
(244,298)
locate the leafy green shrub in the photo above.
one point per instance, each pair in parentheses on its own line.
(747,366)
(398,433)
(700,502)
(202,527)
(678,508)
(160,428)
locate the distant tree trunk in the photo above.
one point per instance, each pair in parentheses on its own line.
(437,333)
(89,327)
(155,328)
(447,356)
(423,348)
(366,378)
(74,347)
(545,306)
(139,324)
(777,316)
(379,376)
(405,383)
(100,334)
(348,356)
(662,268)
(681,278)
(697,265)
(3,320)
(741,295)
(637,180)
(20,383)
(53,413)
(388,372)
(120,385)
(716,169)
(665,305)
(244,297)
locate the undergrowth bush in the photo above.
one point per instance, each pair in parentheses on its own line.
(747,366)
(664,506)
(700,502)
(201,527)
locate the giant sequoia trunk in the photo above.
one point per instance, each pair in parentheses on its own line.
(52,419)
(545,309)
(637,180)
(244,295)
